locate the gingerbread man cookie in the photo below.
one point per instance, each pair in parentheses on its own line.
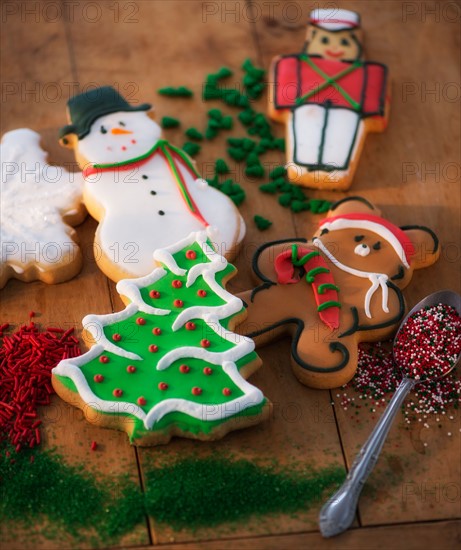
(339,289)
(39,204)
(169,363)
(145,193)
(329,98)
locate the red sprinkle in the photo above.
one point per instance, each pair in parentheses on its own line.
(142,401)
(226,391)
(178,303)
(26,359)
(117,392)
(157,331)
(196,390)
(140,321)
(153,348)
(205,343)
(104,359)
(31,314)
(190,325)
(176,284)
(131,369)
(184,369)
(154,294)
(116,337)
(191,254)
(98,378)
(162,386)
(201,293)
(207,371)
(94,445)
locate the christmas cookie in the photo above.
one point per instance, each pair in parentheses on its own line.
(146,193)
(39,204)
(169,363)
(329,99)
(339,289)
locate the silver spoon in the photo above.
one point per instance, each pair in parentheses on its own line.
(338,512)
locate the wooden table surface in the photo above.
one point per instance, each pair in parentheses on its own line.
(50,50)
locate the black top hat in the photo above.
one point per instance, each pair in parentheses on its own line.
(85,108)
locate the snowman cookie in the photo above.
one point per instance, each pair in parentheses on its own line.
(146,193)
(39,204)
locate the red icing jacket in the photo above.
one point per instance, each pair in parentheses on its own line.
(365,84)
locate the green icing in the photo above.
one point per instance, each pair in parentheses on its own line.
(140,378)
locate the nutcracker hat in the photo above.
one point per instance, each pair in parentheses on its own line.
(85,108)
(395,236)
(334,19)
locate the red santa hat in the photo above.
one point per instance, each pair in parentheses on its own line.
(386,230)
(334,19)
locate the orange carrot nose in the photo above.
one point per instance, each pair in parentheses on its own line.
(120,131)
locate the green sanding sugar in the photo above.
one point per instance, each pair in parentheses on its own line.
(262,223)
(170,122)
(208,491)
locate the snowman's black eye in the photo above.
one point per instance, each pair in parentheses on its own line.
(325,40)
(122,123)
(358,238)
(103,130)
(345,42)
(377,245)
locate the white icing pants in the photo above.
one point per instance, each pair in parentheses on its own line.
(324,137)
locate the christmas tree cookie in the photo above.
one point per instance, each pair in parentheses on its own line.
(169,363)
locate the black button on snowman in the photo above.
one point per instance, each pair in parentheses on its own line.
(146,193)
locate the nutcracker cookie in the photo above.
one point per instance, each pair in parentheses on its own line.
(170,363)
(329,99)
(145,193)
(339,289)
(39,205)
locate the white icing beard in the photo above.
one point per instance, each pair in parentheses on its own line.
(109,147)
(376,279)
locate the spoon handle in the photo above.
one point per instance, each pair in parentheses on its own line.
(338,512)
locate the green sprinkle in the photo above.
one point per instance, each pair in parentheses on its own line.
(319,206)
(221,167)
(253,159)
(278,172)
(299,206)
(256,171)
(285,199)
(191,148)
(210,92)
(216,114)
(169,122)
(227,122)
(193,133)
(262,223)
(182,91)
(210,133)
(237,154)
(246,117)
(268,188)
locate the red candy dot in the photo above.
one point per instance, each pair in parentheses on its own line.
(140,321)
(157,331)
(123,148)
(104,359)
(178,303)
(133,141)
(98,378)
(131,369)
(184,369)
(196,390)
(117,392)
(207,371)
(153,348)
(201,293)
(190,325)
(116,337)
(191,254)
(142,401)
(94,445)
(163,386)
(226,391)
(154,294)
(176,284)
(205,343)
